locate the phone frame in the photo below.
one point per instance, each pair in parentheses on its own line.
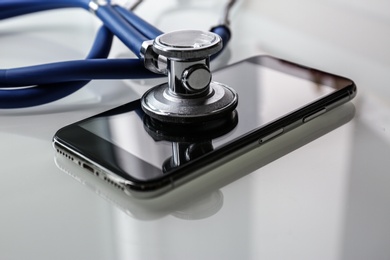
(85,153)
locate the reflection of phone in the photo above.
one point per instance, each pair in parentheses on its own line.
(143,158)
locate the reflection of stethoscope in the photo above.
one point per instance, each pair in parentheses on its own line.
(184,56)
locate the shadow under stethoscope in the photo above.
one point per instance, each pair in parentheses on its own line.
(201,197)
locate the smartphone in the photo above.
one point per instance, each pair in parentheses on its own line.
(143,158)
(204,197)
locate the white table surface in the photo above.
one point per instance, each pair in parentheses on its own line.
(326,198)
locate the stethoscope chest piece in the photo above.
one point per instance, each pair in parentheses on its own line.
(190,94)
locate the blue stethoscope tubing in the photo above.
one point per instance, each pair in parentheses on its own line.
(41,84)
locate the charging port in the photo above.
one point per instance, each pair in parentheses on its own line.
(87,167)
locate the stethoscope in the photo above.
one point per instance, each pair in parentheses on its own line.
(190,95)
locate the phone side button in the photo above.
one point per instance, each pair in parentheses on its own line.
(271,135)
(314,115)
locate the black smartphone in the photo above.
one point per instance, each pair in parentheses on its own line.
(144,158)
(203,196)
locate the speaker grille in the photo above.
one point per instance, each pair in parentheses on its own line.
(66,155)
(116,185)
(89,168)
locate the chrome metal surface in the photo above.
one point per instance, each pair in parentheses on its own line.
(160,103)
(190,95)
(196,77)
(151,59)
(185,78)
(95,4)
(187,44)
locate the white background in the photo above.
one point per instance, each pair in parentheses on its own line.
(329,199)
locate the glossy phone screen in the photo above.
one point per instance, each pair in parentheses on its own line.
(274,96)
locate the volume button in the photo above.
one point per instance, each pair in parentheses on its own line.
(271,135)
(314,115)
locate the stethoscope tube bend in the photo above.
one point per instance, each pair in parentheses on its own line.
(40,84)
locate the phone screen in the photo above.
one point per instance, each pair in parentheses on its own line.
(268,90)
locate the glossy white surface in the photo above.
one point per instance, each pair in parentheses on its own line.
(329,199)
